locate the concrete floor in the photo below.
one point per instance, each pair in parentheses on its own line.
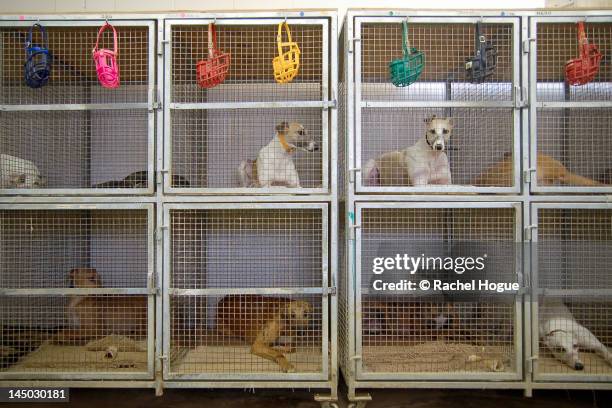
(92,398)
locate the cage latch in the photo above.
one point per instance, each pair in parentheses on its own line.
(160,232)
(352,172)
(351,44)
(331,291)
(160,46)
(160,175)
(530,361)
(356,357)
(162,357)
(528,231)
(527,44)
(528,173)
(520,101)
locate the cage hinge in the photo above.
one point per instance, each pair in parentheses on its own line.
(352,172)
(528,174)
(330,104)
(529,231)
(527,44)
(530,363)
(155,106)
(356,357)
(331,291)
(162,356)
(351,44)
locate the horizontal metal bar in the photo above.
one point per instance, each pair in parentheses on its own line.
(482,376)
(418,293)
(75,191)
(574,292)
(586,384)
(199,205)
(74,199)
(77,206)
(247,191)
(444,204)
(302,18)
(246,384)
(248,376)
(429,384)
(431,189)
(481,198)
(437,104)
(75,291)
(85,375)
(75,107)
(575,104)
(254,105)
(245,291)
(78,384)
(247,198)
(562,377)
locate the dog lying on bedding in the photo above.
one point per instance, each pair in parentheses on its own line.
(563,335)
(423,163)
(138,179)
(264,322)
(19,173)
(96,316)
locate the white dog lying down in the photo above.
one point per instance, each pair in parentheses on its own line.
(563,335)
(423,163)
(19,173)
(274,165)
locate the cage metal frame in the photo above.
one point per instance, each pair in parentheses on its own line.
(150,106)
(354,148)
(323,379)
(10,378)
(559,378)
(327,103)
(534,105)
(363,375)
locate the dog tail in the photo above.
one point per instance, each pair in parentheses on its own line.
(371,174)
(245,171)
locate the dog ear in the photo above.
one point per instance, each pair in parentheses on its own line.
(428,120)
(450,122)
(282,127)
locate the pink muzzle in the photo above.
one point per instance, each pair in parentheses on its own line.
(107,67)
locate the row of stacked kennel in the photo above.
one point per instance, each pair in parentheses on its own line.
(523,146)
(126,266)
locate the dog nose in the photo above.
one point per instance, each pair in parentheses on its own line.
(579,366)
(438,147)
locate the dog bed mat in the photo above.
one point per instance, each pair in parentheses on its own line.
(593,364)
(438,356)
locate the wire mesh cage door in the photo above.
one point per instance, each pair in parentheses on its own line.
(474,153)
(72,136)
(572,292)
(246,296)
(569,124)
(254,135)
(77,297)
(437,332)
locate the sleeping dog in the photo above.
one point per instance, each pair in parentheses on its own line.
(423,163)
(274,165)
(19,173)
(264,322)
(563,335)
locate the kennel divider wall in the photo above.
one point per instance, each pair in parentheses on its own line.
(58,238)
(486,126)
(72,129)
(248,103)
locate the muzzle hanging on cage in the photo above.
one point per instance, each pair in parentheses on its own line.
(37,68)
(582,70)
(483,64)
(213,70)
(287,63)
(406,70)
(107,67)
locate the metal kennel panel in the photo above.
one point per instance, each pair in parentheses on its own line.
(432,333)
(570,124)
(78,287)
(231,271)
(389,119)
(239,117)
(73,136)
(572,287)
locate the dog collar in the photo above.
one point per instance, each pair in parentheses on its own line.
(427,140)
(286,146)
(556,331)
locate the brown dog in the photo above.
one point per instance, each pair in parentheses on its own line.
(549,172)
(263,321)
(96,316)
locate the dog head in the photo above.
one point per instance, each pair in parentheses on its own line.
(296,136)
(438,132)
(565,347)
(442,316)
(25,180)
(297,313)
(85,278)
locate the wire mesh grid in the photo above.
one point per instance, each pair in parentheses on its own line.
(445,331)
(73,75)
(574,147)
(246,334)
(575,335)
(479,150)
(74,149)
(256,148)
(250,77)
(446,47)
(77,334)
(39,248)
(557,43)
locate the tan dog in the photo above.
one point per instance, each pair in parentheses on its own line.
(263,322)
(549,172)
(99,316)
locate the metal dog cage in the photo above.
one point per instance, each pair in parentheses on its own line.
(72,136)
(210,133)
(229,269)
(570,124)
(384,118)
(77,297)
(571,265)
